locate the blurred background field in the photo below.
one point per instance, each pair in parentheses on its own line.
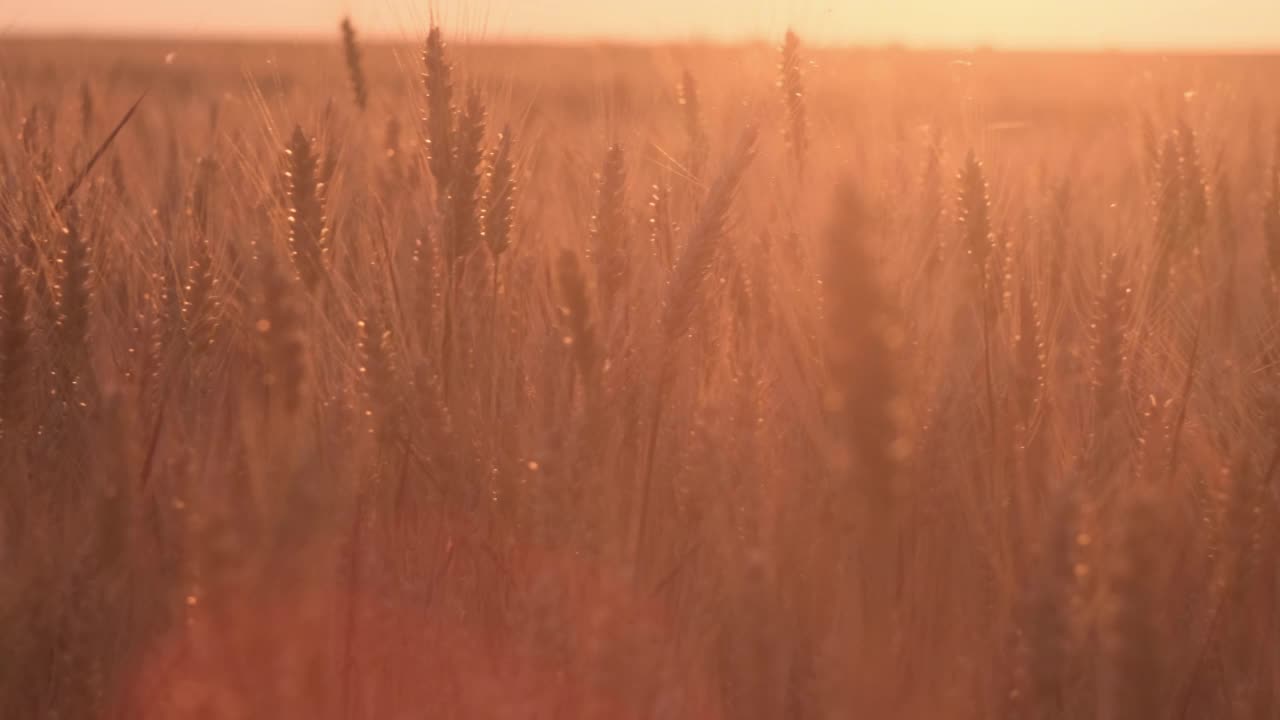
(625,380)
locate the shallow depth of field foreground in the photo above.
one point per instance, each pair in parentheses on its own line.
(447,380)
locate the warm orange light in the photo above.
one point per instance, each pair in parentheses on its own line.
(1082,23)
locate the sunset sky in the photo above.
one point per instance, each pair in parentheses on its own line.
(1244,24)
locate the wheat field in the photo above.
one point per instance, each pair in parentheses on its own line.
(461,380)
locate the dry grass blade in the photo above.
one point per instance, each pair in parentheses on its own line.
(79,178)
(696,262)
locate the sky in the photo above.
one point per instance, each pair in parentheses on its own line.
(1237,24)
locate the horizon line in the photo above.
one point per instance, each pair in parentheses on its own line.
(552,39)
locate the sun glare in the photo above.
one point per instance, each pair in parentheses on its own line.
(1249,24)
